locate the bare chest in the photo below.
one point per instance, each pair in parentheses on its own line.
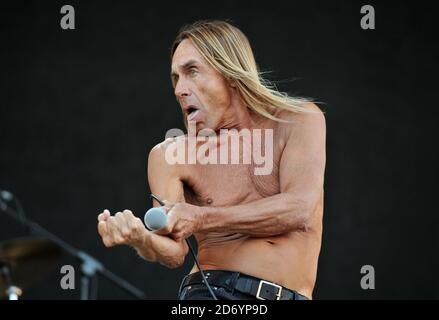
(225,185)
(253,176)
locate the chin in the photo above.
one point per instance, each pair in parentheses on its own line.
(199,126)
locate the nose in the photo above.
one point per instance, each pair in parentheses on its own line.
(181,89)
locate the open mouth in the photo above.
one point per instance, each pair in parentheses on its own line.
(192,112)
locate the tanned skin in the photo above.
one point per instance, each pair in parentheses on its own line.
(267,226)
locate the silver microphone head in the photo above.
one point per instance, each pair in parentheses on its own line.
(156,218)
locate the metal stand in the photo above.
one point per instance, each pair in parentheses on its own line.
(90,267)
(12,291)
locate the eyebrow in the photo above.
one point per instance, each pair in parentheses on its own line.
(185,65)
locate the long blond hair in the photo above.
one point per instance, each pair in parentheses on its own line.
(228,50)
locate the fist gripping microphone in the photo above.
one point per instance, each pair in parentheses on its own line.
(156,218)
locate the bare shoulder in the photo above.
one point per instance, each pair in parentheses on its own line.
(312,120)
(164,176)
(313,112)
(157,159)
(157,153)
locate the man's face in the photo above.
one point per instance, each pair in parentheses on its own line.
(203,93)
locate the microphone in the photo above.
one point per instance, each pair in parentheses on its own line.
(155,218)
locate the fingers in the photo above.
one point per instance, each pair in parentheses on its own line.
(104,215)
(168,205)
(102,228)
(163,231)
(122,228)
(114,230)
(176,228)
(168,228)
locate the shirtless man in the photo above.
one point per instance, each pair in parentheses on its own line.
(248,227)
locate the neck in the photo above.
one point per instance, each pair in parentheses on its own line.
(240,117)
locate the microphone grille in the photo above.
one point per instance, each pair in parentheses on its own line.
(155,218)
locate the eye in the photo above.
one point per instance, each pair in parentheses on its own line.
(193,71)
(174,80)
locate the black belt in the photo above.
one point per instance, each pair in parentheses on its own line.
(261,289)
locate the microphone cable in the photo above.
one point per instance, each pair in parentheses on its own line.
(193,255)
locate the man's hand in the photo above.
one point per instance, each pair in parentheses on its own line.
(122,228)
(125,228)
(183,220)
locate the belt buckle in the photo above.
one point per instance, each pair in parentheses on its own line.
(269,283)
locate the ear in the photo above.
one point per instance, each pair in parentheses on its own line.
(231,82)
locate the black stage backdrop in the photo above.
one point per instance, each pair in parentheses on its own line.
(80,110)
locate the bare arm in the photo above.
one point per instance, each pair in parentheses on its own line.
(164,181)
(125,228)
(301,176)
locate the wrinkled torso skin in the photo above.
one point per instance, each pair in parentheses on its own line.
(289,259)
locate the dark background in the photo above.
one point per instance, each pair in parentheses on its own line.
(80,110)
